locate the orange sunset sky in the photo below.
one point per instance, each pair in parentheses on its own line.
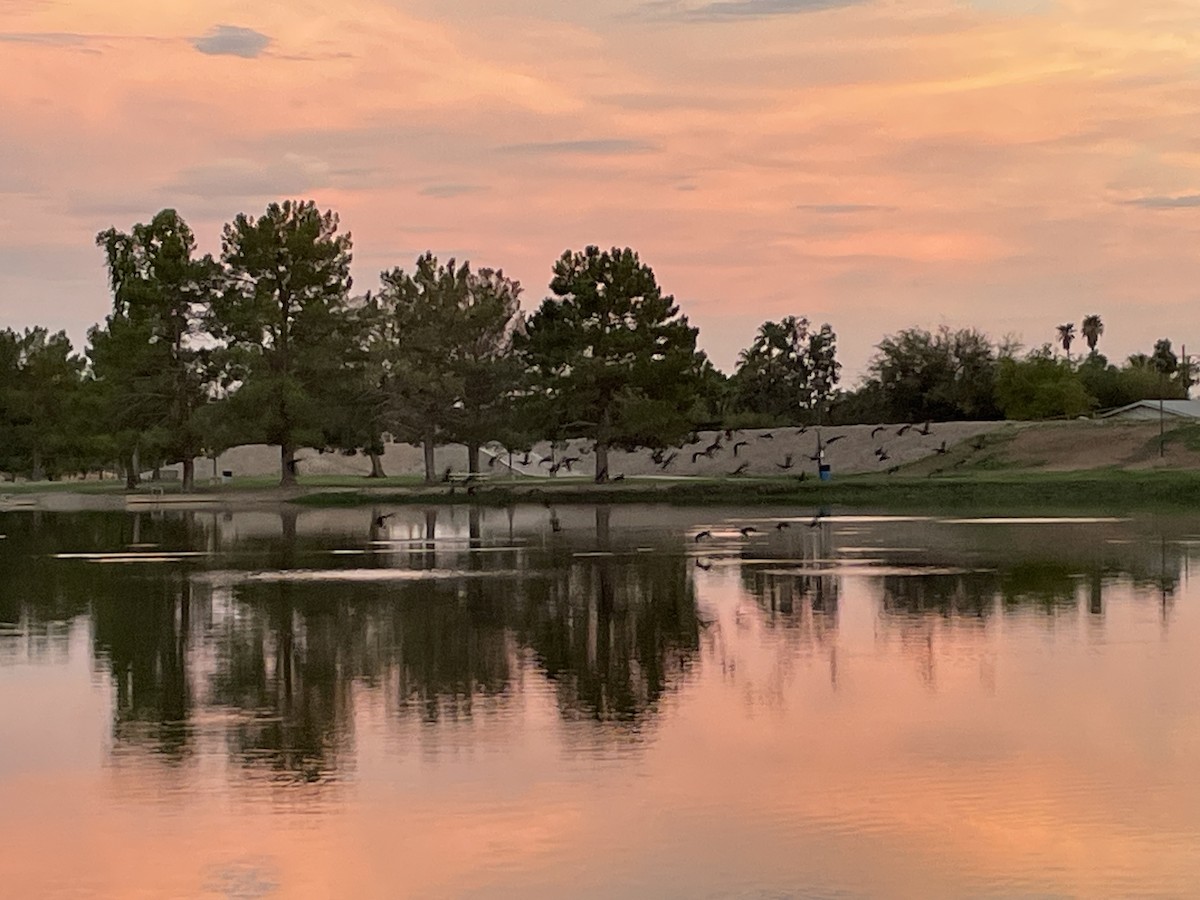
(1009,164)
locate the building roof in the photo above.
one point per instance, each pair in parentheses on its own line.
(1189,409)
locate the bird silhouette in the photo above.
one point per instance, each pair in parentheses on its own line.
(924,429)
(893,470)
(729,434)
(766,436)
(748,530)
(545,462)
(803,429)
(703,565)
(816,520)
(379,520)
(787,462)
(816,457)
(670,459)
(491,462)
(836,437)
(883,456)
(779,526)
(738,445)
(702,536)
(656,457)
(902,429)
(697,455)
(740,469)
(568,461)
(940,451)
(712,448)
(525,459)
(877,429)
(879,451)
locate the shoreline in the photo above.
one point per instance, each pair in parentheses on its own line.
(1103,489)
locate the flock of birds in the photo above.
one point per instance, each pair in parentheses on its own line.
(671,459)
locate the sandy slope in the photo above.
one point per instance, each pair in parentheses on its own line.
(849,449)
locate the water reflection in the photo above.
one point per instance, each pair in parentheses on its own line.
(620,624)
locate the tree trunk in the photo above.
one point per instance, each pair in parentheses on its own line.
(601,463)
(430,462)
(473,458)
(287,466)
(38,473)
(603,436)
(189,474)
(131,471)
(376,465)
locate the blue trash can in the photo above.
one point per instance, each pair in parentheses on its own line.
(823,472)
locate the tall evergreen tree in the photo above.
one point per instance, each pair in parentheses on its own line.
(162,296)
(611,358)
(285,316)
(443,335)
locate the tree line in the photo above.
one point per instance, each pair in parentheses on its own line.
(266,342)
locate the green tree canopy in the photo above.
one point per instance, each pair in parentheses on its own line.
(789,372)
(156,371)
(441,337)
(285,315)
(942,375)
(610,357)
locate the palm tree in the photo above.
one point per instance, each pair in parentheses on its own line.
(1092,329)
(1066,335)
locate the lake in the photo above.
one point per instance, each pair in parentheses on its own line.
(585,702)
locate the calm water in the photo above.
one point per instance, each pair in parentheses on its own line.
(467,704)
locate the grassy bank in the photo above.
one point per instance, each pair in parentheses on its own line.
(1096,490)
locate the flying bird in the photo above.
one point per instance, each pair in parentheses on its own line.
(766,436)
(729,434)
(703,565)
(525,459)
(883,455)
(748,530)
(803,429)
(816,457)
(940,451)
(670,459)
(697,455)
(902,429)
(924,429)
(836,437)
(876,430)
(703,535)
(740,470)
(787,463)
(782,525)
(379,520)
(740,444)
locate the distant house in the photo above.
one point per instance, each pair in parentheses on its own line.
(1147,411)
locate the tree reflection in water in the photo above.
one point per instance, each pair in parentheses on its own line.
(272,668)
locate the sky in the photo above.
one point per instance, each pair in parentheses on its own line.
(875,164)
